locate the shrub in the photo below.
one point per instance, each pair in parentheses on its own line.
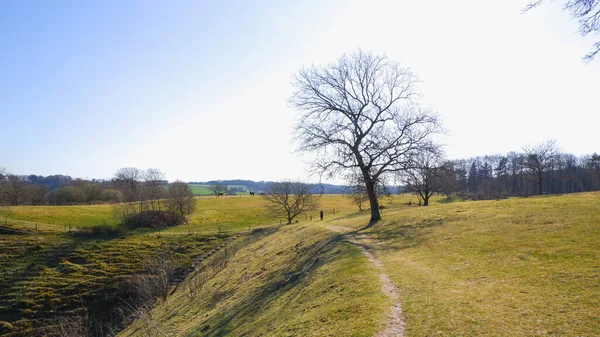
(101,230)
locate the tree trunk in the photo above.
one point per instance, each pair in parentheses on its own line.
(540,183)
(371,193)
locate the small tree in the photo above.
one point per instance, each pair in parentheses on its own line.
(290,198)
(424,178)
(181,199)
(154,190)
(539,159)
(217,188)
(448,178)
(15,189)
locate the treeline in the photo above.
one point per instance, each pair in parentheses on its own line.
(128,185)
(54,190)
(537,170)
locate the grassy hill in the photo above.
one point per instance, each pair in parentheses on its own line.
(296,280)
(519,266)
(524,266)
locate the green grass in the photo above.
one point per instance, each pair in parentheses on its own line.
(521,266)
(47,272)
(53,273)
(198,189)
(204,190)
(77,216)
(299,280)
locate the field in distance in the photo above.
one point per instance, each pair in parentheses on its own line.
(204,190)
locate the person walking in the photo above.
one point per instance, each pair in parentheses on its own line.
(321,215)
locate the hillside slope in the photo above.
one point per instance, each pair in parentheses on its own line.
(297,280)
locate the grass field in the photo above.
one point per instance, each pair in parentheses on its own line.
(77,216)
(48,273)
(296,280)
(204,190)
(519,266)
(199,189)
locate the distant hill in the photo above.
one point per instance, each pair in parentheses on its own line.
(261,186)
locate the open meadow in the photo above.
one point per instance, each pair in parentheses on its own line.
(516,266)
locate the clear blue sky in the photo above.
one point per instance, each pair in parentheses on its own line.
(198,89)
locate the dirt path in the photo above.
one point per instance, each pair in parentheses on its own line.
(394,325)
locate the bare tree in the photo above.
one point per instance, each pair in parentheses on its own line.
(154,180)
(290,198)
(424,176)
(15,189)
(448,178)
(127,180)
(218,188)
(181,199)
(3,194)
(587,12)
(360,113)
(539,159)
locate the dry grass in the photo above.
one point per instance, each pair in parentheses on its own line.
(299,280)
(521,266)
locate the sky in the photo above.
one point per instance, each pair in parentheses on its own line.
(199,89)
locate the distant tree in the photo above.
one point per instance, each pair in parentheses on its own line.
(539,159)
(92,192)
(3,196)
(360,113)
(587,12)
(424,176)
(36,194)
(472,177)
(217,188)
(290,198)
(448,178)
(154,187)
(15,188)
(127,180)
(70,195)
(180,198)
(111,195)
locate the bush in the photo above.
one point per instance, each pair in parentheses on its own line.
(102,230)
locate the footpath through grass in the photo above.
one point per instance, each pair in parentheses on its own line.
(521,266)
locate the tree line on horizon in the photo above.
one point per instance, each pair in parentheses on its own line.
(541,169)
(128,185)
(537,170)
